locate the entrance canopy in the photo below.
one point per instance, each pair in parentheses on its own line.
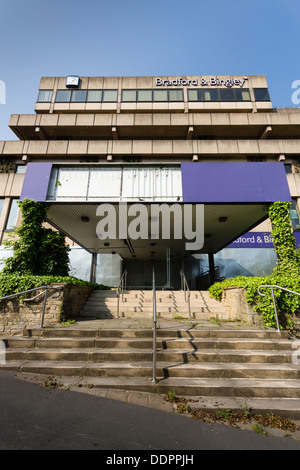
(232,196)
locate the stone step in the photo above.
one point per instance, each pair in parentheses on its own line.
(148,333)
(203,387)
(149,308)
(164,370)
(144,343)
(175,356)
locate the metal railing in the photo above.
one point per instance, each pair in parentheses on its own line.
(154,379)
(120,290)
(187,292)
(45,291)
(272,287)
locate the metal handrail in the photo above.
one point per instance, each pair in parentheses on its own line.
(186,289)
(272,287)
(120,288)
(47,288)
(154,379)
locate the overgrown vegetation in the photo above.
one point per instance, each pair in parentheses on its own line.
(40,255)
(285,274)
(37,250)
(12,283)
(233,418)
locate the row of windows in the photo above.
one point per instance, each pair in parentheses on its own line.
(150,96)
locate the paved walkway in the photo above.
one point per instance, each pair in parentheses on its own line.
(132,323)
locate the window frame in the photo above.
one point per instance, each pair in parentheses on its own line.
(45,101)
(12,227)
(295,209)
(259,99)
(74,92)
(86,91)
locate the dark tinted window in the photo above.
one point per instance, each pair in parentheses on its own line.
(261,94)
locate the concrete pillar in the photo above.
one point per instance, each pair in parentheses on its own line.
(212,273)
(93,267)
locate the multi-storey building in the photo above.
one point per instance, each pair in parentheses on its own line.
(204,141)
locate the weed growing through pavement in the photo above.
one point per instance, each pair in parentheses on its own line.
(227,416)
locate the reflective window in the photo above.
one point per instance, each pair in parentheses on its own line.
(13,215)
(129,95)
(78,96)
(63,96)
(20,169)
(110,96)
(144,95)
(288,168)
(94,96)
(243,94)
(211,95)
(261,94)
(227,94)
(195,95)
(45,96)
(82,96)
(219,94)
(1,205)
(160,95)
(295,216)
(175,95)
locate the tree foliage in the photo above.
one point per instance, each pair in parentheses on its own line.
(37,250)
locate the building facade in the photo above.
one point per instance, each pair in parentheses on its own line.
(142,145)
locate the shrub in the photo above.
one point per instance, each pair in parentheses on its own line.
(13,283)
(285,274)
(37,250)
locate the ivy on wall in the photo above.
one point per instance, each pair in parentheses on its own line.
(285,274)
(37,250)
(288,258)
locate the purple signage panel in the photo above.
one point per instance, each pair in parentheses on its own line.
(258,240)
(234,182)
(36,181)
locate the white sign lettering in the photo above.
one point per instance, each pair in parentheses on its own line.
(211,81)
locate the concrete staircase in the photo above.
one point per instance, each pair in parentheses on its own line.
(205,362)
(139,303)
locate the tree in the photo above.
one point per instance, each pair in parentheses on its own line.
(37,250)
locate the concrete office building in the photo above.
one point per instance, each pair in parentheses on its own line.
(199,140)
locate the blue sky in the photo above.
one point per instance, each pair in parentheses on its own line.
(139,37)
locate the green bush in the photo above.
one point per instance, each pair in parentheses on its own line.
(37,250)
(13,283)
(285,302)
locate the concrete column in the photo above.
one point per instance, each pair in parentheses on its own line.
(93,267)
(212,273)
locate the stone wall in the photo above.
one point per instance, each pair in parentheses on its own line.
(15,316)
(233,298)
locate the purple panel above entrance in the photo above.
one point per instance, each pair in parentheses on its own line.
(36,181)
(234,182)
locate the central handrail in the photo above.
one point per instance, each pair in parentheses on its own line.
(272,287)
(186,289)
(154,379)
(47,288)
(120,288)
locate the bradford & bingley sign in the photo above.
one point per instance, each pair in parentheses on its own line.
(207,81)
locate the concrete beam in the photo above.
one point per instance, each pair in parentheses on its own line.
(266,132)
